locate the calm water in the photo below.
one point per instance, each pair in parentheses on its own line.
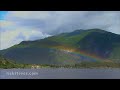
(60,73)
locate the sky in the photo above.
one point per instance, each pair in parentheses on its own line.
(2,14)
(17,26)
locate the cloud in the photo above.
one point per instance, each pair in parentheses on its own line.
(61,21)
(9,38)
(31,25)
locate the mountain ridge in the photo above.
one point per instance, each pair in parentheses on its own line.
(60,49)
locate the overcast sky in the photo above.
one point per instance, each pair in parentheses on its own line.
(17,26)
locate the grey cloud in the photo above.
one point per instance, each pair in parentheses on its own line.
(65,21)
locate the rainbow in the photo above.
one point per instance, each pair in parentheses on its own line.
(78,52)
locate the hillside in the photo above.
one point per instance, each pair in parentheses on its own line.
(93,45)
(6,63)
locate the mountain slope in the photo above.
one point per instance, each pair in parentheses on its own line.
(93,45)
(101,44)
(6,63)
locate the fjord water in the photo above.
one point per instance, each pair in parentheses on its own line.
(60,73)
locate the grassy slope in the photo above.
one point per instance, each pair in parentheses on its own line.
(65,39)
(115,55)
(68,40)
(104,41)
(7,64)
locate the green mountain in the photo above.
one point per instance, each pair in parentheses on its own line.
(7,63)
(92,45)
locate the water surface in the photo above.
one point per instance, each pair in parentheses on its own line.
(59,73)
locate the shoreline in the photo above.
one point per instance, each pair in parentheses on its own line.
(64,68)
